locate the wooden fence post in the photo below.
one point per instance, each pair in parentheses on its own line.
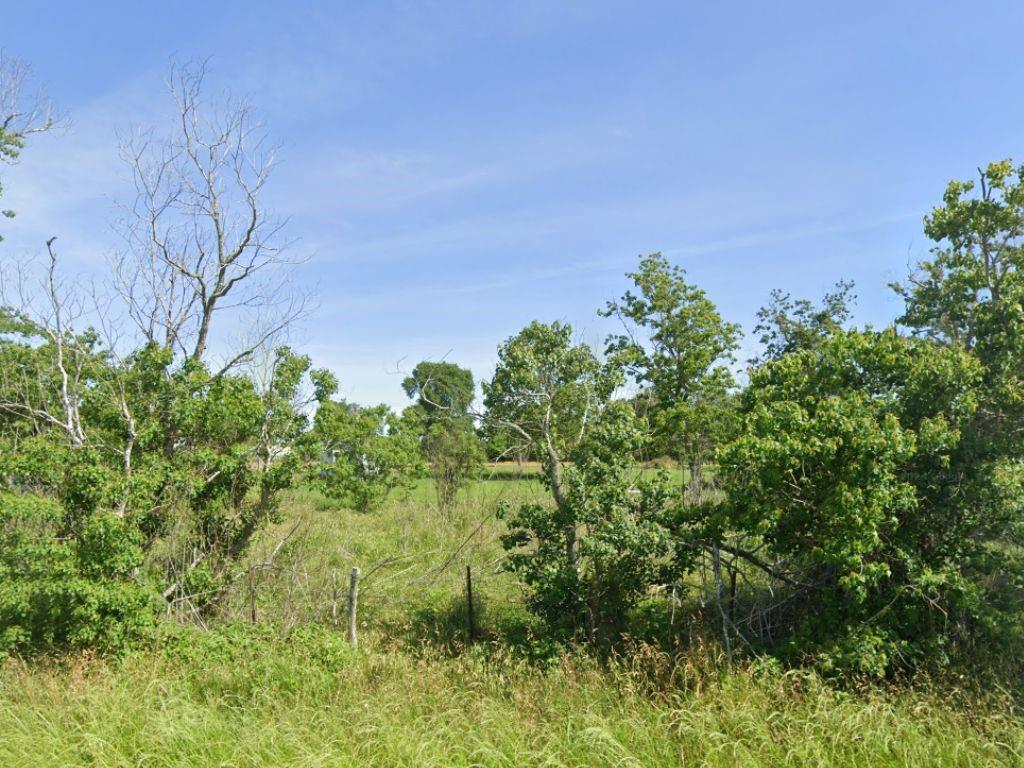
(716,564)
(334,596)
(252,596)
(469,604)
(353,600)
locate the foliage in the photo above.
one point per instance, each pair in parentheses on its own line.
(176,461)
(547,395)
(68,581)
(971,295)
(454,454)
(873,484)
(588,581)
(676,347)
(851,466)
(359,455)
(972,285)
(440,387)
(546,389)
(119,445)
(789,325)
(10,148)
(451,446)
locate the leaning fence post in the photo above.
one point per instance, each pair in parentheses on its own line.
(469,603)
(353,600)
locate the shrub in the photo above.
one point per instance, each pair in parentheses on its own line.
(67,590)
(588,561)
(854,467)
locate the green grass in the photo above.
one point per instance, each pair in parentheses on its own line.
(310,701)
(290,692)
(412,557)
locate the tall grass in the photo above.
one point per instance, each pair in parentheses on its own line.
(412,556)
(252,698)
(289,691)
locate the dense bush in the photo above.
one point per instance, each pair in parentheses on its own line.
(585,584)
(161,476)
(68,582)
(359,455)
(851,467)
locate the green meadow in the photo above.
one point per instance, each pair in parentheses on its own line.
(290,691)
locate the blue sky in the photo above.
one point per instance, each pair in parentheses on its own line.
(456,170)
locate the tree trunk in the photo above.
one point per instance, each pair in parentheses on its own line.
(554,470)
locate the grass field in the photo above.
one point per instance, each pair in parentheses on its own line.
(289,691)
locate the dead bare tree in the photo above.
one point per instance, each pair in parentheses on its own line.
(199,240)
(45,310)
(21,114)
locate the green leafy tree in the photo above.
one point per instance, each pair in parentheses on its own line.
(586,558)
(788,325)
(545,394)
(358,455)
(971,294)
(440,388)
(451,446)
(620,535)
(850,467)
(970,289)
(677,348)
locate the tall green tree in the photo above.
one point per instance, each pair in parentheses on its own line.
(883,474)
(969,291)
(444,392)
(970,294)
(851,466)
(788,325)
(676,347)
(546,394)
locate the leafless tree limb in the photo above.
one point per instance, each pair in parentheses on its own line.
(48,312)
(21,114)
(199,241)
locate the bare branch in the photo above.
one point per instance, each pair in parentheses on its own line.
(21,114)
(199,241)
